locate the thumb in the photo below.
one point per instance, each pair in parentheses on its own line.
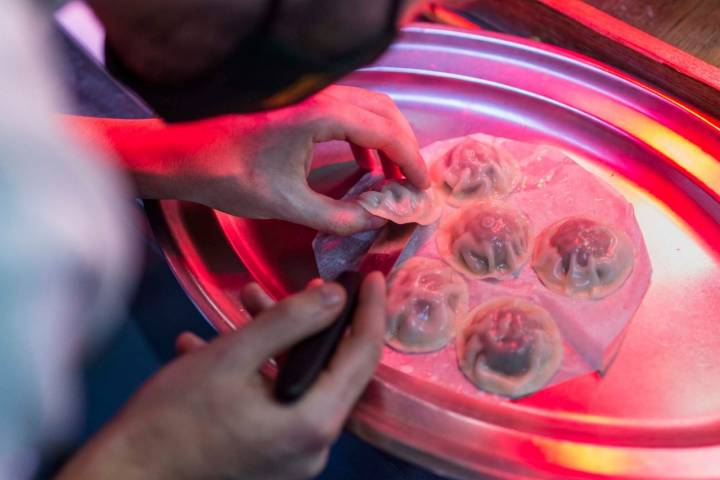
(188,342)
(282,325)
(338,217)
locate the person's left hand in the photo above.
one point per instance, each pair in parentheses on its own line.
(257,165)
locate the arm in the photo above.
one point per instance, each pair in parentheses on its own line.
(257,165)
(148,151)
(209,414)
(67,260)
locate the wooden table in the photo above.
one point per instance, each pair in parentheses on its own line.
(691,25)
(672,44)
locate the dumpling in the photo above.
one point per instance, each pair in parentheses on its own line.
(425,300)
(510,347)
(400,202)
(580,257)
(488,239)
(475,170)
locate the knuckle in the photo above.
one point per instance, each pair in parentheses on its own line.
(342,229)
(324,104)
(317,102)
(317,111)
(317,120)
(327,121)
(323,435)
(217,402)
(394,142)
(315,433)
(314,466)
(385,100)
(236,352)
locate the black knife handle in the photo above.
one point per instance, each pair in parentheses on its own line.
(307,359)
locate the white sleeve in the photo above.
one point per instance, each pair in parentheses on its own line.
(66,247)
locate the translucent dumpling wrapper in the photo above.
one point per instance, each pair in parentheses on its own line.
(510,347)
(582,258)
(400,202)
(475,170)
(426,298)
(488,239)
(555,185)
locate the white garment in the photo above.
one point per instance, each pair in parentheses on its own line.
(66,252)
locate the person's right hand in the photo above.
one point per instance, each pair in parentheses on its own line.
(211,415)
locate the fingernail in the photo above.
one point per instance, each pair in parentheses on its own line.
(330,294)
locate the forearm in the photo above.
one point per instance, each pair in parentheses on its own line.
(102,458)
(157,158)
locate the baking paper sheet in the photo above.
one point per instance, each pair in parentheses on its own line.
(553,187)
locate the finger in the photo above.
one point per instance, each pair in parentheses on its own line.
(379,103)
(315,282)
(353,365)
(254,299)
(343,121)
(369,320)
(287,323)
(390,169)
(365,158)
(337,217)
(188,342)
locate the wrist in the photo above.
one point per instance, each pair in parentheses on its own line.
(119,451)
(161,160)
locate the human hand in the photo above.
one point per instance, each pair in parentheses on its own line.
(211,415)
(257,165)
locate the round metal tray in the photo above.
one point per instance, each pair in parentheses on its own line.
(656,414)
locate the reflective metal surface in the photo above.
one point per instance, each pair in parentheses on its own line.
(656,414)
